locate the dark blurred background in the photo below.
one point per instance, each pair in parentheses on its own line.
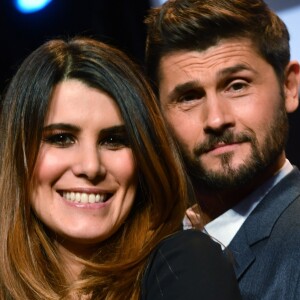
(118,22)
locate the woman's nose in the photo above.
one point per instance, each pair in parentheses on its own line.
(88,163)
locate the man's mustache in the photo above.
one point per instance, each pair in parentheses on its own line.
(226,138)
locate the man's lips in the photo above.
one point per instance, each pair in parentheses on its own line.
(221,148)
(219,145)
(218,148)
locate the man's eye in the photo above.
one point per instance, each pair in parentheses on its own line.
(59,139)
(115,142)
(237,86)
(190,96)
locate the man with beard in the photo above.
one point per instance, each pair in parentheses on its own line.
(223,74)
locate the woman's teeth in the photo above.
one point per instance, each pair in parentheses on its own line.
(84,197)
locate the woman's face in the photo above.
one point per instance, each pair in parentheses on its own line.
(85,180)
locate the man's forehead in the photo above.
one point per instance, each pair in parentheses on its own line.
(231,53)
(228,44)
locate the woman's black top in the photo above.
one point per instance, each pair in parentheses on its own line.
(189,266)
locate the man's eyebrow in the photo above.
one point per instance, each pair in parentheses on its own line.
(234,69)
(196,85)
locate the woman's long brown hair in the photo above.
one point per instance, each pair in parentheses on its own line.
(30,265)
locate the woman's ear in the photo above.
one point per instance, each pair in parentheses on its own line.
(292,86)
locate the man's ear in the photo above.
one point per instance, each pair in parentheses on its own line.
(292,86)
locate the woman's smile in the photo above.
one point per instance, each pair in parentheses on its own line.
(77,197)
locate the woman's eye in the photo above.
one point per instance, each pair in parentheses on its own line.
(115,142)
(59,139)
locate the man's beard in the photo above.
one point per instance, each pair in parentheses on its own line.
(260,158)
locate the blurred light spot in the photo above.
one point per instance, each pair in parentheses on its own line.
(30,6)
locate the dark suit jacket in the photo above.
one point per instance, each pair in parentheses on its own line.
(267,246)
(189,266)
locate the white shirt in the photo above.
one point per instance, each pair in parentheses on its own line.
(224,228)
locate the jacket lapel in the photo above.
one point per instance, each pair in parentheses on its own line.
(259,224)
(242,253)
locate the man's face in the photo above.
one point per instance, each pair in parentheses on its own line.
(226,109)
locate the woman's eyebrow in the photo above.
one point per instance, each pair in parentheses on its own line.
(61,126)
(114,129)
(118,129)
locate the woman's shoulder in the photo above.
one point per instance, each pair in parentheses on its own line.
(189,265)
(189,252)
(191,240)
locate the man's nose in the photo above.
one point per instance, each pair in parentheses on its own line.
(218,114)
